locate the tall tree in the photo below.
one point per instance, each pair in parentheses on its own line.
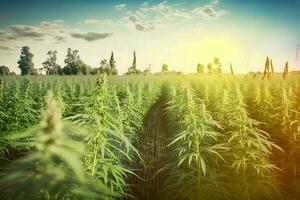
(112,64)
(218,66)
(134,61)
(25,63)
(50,65)
(68,61)
(104,67)
(74,65)
(200,68)
(286,70)
(231,69)
(164,68)
(267,69)
(133,69)
(209,68)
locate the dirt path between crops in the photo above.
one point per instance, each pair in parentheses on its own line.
(151,147)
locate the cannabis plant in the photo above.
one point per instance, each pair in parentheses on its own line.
(194,172)
(52,170)
(253,173)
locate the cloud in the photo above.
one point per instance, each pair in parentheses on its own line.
(120,6)
(46,30)
(52,24)
(90,21)
(133,19)
(208,12)
(25,31)
(5,48)
(53,31)
(91,36)
(106,22)
(214,2)
(60,39)
(151,16)
(142,26)
(167,13)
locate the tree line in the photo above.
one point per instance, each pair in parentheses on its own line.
(75,66)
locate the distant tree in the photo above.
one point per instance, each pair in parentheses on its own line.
(164,68)
(25,63)
(217,66)
(133,69)
(209,68)
(82,68)
(69,61)
(200,68)
(94,71)
(34,71)
(4,71)
(108,68)
(285,71)
(74,65)
(231,69)
(216,61)
(104,67)
(50,66)
(147,71)
(112,64)
(253,74)
(134,60)
(267,69)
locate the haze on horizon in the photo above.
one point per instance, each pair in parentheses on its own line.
(177,33)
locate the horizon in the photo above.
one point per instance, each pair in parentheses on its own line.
(180,34)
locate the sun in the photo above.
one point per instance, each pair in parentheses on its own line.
(205,48)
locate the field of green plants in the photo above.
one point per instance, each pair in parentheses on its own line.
(150,137)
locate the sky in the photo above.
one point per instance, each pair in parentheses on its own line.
(175,32)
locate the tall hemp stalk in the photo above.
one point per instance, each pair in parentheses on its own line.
(253,173)
(104,157)
(194,173)
(288,133)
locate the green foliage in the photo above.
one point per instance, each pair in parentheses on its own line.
(164,68)
(200,68)
(250,148)
(107,143)
(230,137)
(4,71)
(194,172)
(74,65)
(50,65)
(133,69)
(25,63)
(108,68)
(217,66)
(112,64)
(52,170)
(209,68)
